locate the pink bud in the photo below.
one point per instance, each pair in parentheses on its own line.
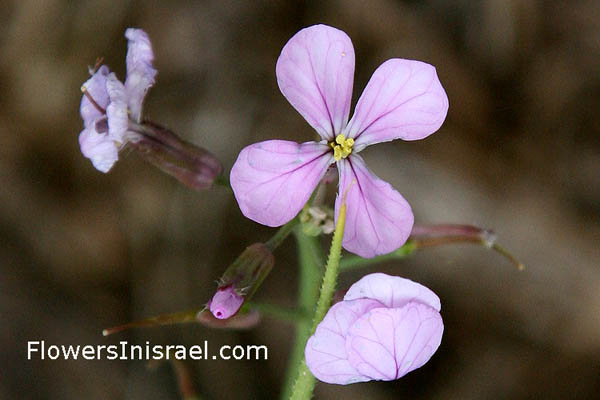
(242,320)
(225,303)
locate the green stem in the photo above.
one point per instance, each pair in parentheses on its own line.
(278,312)
(355,262)
(520,266)
(281,234)
(305,383)
(222,180)
(310,261)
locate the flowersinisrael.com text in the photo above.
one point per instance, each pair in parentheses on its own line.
(125,351)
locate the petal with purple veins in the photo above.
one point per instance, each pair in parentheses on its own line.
(404,99)
(325,352)
(315,72)
(272,180)
(392,291)
(387,343)
(378,219)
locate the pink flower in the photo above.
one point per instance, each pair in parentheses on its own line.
(108,105)
(384,328)
(404,99)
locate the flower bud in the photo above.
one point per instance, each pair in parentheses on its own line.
(225,303)
(241,280)
(317,220)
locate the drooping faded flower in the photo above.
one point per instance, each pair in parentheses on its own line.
(384,328)
(404,99)
(108,105)
(112,119)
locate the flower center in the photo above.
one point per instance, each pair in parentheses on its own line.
(342,147)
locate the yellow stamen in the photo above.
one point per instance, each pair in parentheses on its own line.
(342,147)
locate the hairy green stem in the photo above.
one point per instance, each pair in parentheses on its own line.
(305,382)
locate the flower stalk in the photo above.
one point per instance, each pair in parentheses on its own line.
(424,236)
(193,166)
(310,261)
(305,381)
(436,235)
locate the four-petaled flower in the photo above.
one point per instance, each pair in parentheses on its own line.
(107,105)
(404,99)
(385,327)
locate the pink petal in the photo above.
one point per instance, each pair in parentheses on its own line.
(99,148)
(315,72)
(392,291)
(96,88)
(273,180)
(378,219)
(116,111)
(404,99)
(140,72)
(387,343)
(325,351)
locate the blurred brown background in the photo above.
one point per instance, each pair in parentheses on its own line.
(519,152)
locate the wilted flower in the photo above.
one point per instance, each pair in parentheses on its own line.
(385,327)
(404,99)
(112,119)
(108,105)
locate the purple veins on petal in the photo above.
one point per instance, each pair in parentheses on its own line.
(326,354)
(315,72)
(404,99)
(376,338)
(273,180)
(387,343)
(392,291)
(378,218)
